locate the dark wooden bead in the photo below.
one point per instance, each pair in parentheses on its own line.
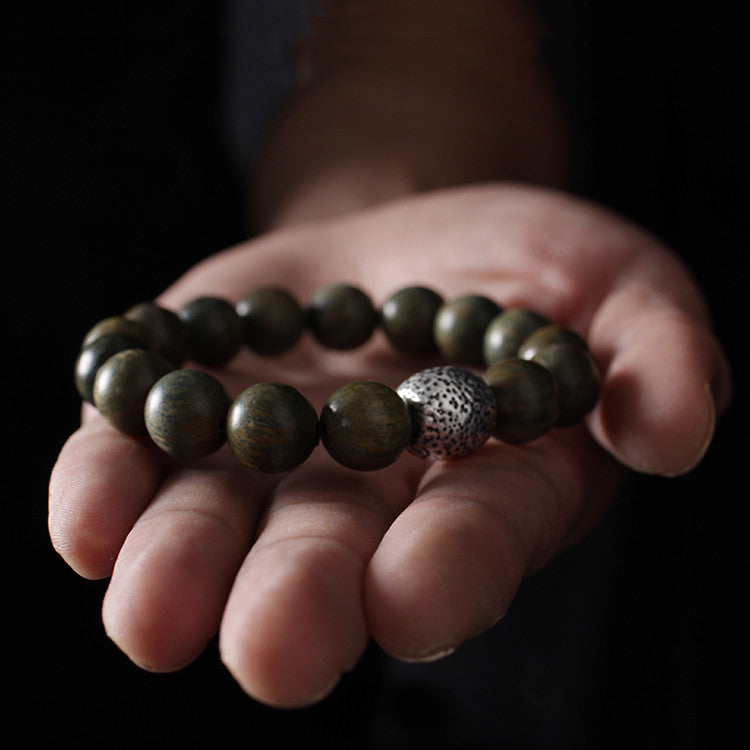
(171,337)
(120,324)
(272,319)
(508,331)
(186,413)
(216,330)
(548,335)
(122,385)
(460,325)
(93,356)
(272,427)
(407,319)
(577,378)
(527,399)
(341,316)
(365,425)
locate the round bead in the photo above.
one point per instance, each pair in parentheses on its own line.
(122,385)
(365,426)
(577,378)
(120,324)
(508,331)
(93,356)
(341,316)
(460,325)
(216,330)
(272,427)
(452,411)
(527,399)
(170,335)
(186,413)
(407,319)
(548,335)
(272,318)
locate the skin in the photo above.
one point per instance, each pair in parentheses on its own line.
(297,572)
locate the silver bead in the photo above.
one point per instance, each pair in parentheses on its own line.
(453,412)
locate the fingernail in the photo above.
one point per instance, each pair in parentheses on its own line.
(705,441)
(432,654)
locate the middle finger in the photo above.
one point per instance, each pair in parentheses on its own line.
(295,618)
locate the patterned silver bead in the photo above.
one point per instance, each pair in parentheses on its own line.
(453,412)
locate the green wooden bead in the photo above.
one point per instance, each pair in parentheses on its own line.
(171,337)
(508,331)
(216,330)
(577,378)
(527,399)
(186,412)
(120,324)
(365,425)
(460,325)
(272,427)
(272,319)
(548,335)
(407,319)
(341,316)
(93,356)
(122,384)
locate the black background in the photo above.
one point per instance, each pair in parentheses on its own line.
(116,180)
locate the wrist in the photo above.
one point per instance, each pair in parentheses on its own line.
(404,99)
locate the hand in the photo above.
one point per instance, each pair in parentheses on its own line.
(297,572)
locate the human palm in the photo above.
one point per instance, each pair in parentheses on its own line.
(297,572)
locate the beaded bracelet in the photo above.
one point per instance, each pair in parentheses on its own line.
(538,375)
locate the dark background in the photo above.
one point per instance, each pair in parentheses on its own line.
(117,178)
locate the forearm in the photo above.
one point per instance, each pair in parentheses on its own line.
(406,97)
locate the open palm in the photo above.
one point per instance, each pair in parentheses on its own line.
(297,572)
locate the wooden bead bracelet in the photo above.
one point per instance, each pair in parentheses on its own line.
(538,375)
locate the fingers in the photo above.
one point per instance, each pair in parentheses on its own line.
(342,556)
(175,569)
(295,620)
(450,564)
(100,484)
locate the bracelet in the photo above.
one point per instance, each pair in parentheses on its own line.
(537,375)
